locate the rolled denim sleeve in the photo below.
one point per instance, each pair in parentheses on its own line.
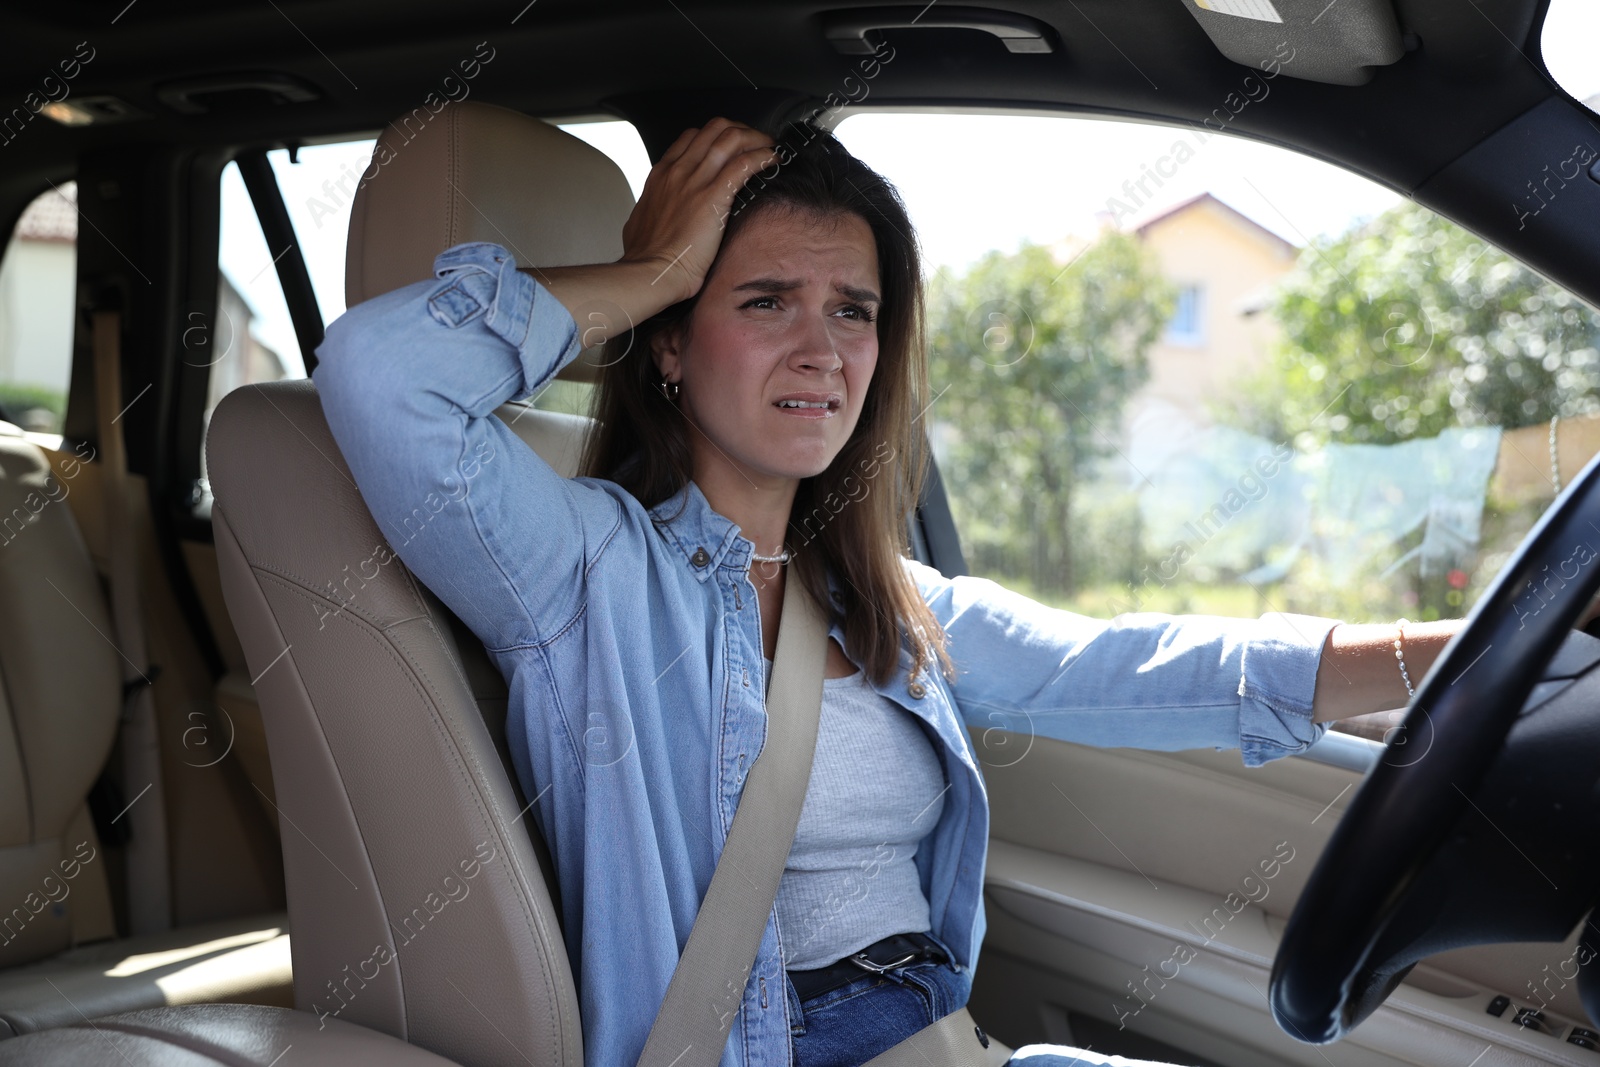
(1278,678)
(1140,680)
(409,382)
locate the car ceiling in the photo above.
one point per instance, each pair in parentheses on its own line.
(1475,70)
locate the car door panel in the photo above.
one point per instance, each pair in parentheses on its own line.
(1149,890)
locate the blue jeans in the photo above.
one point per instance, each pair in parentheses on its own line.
(846,1027)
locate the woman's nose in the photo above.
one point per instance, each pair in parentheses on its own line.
(814,346)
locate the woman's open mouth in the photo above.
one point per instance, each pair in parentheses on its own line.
(815,406)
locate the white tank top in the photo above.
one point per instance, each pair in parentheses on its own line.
(876,790)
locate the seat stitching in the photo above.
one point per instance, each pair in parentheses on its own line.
(386,644)
(322,733)
(305,584)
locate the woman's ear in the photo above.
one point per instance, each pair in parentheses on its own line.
(666,350)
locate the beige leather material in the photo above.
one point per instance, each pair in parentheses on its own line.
(415,891)
(145,856)
(951,1042)
(482,173)
(225,856)
(1088,910)
(240,960)
(59,705)
(37,920)
(16,821)
(241,715)
(200,559)
(92,917)
(219,1035)
(58,700)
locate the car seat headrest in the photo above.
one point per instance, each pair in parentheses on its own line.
(477,172)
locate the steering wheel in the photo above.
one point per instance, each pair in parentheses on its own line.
(1477,825)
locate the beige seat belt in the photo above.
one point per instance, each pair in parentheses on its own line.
(715,965)
(148,875)
(707,988)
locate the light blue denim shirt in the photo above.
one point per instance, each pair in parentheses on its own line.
(630,639)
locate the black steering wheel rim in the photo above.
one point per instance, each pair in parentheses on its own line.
(1323,979)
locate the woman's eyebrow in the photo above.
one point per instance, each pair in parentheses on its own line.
(769,285)
(784,285)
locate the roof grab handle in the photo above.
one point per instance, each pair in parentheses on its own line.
(189,95)
(854,31)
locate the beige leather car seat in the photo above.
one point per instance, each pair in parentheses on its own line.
(60,700)
(416,893)
(58,711)
(213,1035)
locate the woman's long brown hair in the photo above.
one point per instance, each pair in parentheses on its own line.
(852,518)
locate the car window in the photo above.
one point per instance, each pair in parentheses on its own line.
(1568,40)
(1175,371)
(37,287)
(252,338)
(318,188)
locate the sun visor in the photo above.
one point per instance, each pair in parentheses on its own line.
(1334,41)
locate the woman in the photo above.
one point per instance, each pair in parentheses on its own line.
(762,424)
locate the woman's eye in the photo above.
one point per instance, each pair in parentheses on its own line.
(762,302)
(859,312)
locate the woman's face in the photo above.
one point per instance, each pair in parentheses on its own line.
(781,346)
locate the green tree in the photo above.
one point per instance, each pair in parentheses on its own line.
(1406,326)
(25,406)
(1032,362)
(1410,324)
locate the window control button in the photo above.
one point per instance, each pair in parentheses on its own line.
(1532,1018)
(1498,1006)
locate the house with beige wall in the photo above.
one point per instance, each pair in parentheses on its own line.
(1223,266)
(37,276)
(37,292)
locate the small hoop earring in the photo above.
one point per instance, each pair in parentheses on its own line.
(670,389)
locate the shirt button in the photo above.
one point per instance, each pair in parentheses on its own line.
(700,559)
(916,690)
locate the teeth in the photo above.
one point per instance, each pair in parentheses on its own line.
(803,404)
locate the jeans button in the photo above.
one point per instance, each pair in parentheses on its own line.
(700,558)
(916,690)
